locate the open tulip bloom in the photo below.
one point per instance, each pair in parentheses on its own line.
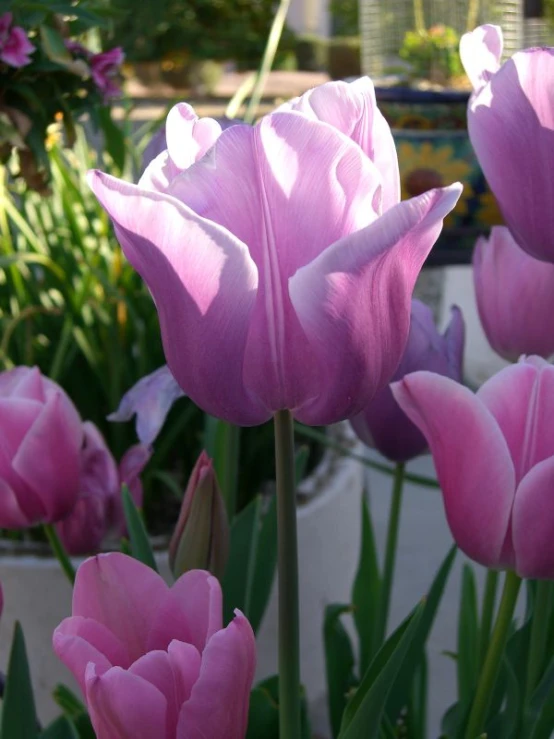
(279,258)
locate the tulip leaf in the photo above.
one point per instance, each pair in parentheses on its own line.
(263,714)
(74,710)
(362,716)
(301,462)
(54,45)
(416,719)
(399,695)
(114,137)
(138,537)
(339,663)
(252,561)
(539,717)
(366,589)
(61,728)
(19,718)
(467,662)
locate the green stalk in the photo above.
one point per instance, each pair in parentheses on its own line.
(287,559)
(267,60)
(419,17)
(539,634)
(487,613)
(390,554)
(491,666)
(59,552)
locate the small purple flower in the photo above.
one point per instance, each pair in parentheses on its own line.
(382,424)
(15,47)
(104,69)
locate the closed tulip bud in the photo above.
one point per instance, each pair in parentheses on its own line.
(514,293)
(40,443)
(201,537)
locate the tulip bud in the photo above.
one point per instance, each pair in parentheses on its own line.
(201,537)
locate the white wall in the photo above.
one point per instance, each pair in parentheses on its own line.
(310,16)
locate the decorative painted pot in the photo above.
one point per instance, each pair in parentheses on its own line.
(430,131)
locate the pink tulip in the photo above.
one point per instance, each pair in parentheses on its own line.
(494,455)
(15,47)
(153,661)
(382,424)
(40,444)
(511,127)
(279,280)
(99,509)
(104,69)
(515,295)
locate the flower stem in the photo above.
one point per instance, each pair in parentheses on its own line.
(59,552)
(390,554)
(289,637)
(491,666)
(487,614)
(539,634)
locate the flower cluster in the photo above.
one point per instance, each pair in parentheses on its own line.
(47,78)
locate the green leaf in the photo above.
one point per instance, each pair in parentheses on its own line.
(400,694)
(114,138)
(138,537)
(53,45)
(362,716)
(416,719)
(301,462)
(66,699)
(468,636)
(61,728)
(339,663)
(19,718)
(539,717)
(252,561)
(366,589)
(263,714)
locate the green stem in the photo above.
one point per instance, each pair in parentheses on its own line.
(59,552)
(287,558)
(419,17)
(491,666)
(489,599)
(539,634)
(267,60)
(390,554)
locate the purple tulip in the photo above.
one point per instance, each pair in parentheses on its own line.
(154,661)
(383,424)
(279,280)
(494,455)
(41,437)
(99,509)
(15,47)
(515,296)
(511,127)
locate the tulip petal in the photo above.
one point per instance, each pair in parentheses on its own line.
(521,398)
(189,137)
(472,459)
(203,282)
(27,383)
(352,109)
(533,522)
(122,594)
(266,184)
(173,674)
(502,270)
(218,706)
(480,52)
(77,641)
(48,460)
(353,303)
(125,706)
(511,127)
(151,399)
(11,514)
(190,611)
